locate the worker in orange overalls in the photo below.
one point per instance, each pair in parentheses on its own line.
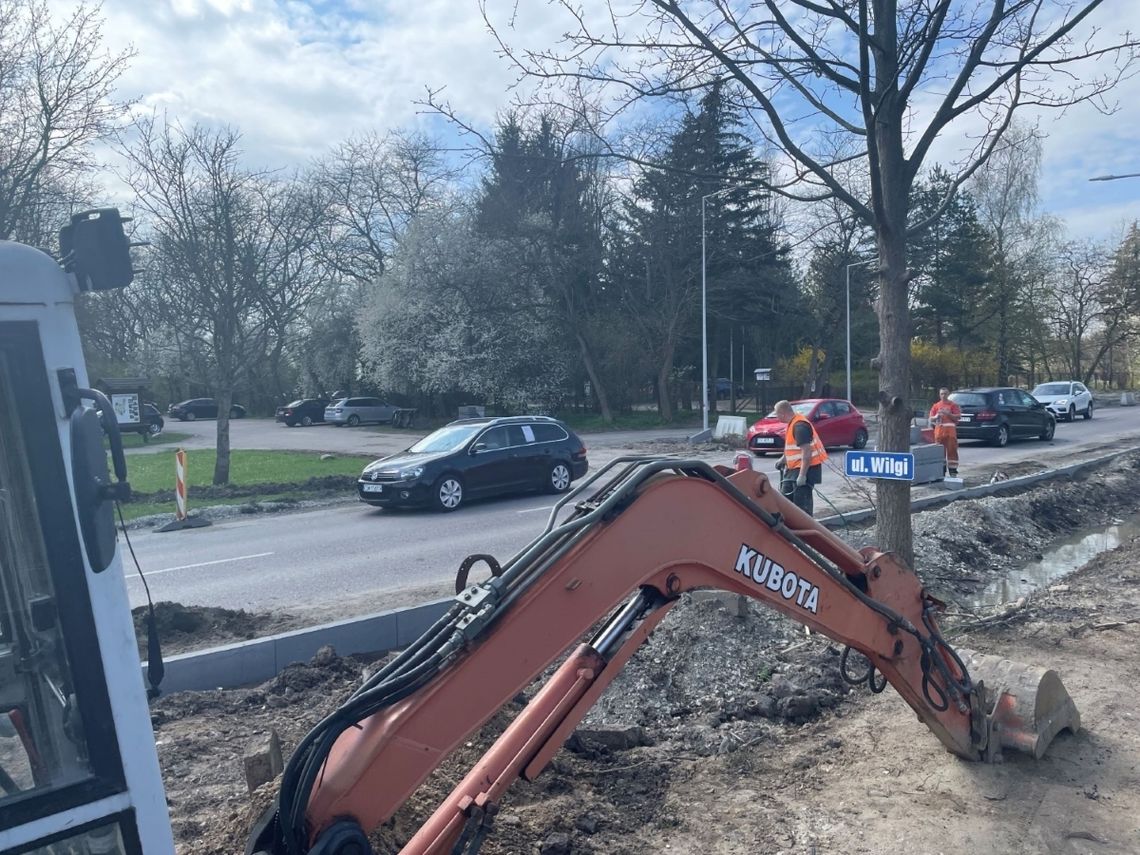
(802,463)
(944,415)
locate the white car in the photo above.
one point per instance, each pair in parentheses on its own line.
(1065,398)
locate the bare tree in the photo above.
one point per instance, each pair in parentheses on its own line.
(374,187)
(1085,302)
(232,251)
(820,76)
(56,86)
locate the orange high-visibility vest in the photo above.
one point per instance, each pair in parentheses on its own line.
(947,413)
(792,453)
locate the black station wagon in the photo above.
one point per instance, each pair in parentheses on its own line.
(473,458)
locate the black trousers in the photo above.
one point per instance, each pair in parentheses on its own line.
(802,497)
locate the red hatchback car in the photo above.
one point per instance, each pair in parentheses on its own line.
(836,421)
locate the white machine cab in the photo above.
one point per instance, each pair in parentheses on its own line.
(78,767)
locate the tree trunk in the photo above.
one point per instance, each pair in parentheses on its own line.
(893,497)
(664,402)
(595,380)
(224,400)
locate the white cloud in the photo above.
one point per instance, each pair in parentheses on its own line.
(298,76)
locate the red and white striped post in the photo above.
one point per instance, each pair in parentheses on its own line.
(182,519)
(180,484)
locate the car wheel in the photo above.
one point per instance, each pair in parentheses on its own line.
(306,421)
(860,439)
(447,494)
(559,478)
(1088,411)
(1002,438)
(191,416)
(154,428)
(353,420)
(1050,429)
(1072,413)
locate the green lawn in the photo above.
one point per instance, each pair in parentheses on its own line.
(284,474)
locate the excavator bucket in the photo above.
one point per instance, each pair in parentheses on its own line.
(1030,704)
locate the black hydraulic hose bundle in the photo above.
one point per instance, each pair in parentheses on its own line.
(412,669)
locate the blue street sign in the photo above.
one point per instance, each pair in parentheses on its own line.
(880,464)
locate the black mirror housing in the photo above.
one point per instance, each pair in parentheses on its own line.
(95,248)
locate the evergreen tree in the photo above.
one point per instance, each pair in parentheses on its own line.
(748,277)
(953,295)
(544,200)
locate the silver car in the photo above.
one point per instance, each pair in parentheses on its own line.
(353,411)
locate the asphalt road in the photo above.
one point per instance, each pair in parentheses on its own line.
(351,559)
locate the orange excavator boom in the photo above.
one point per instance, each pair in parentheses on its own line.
(656,529)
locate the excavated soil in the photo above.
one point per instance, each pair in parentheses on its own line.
(732,732)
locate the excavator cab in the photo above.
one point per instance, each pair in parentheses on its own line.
(78,767)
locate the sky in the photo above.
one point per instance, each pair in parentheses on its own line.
(298,76)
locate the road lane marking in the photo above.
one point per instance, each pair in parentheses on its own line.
(532,510)
(202,564)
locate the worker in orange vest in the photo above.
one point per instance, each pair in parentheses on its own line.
(944,415)
(802,463)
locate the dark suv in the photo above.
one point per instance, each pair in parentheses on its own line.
(998,415)
(304,412)
(472,458)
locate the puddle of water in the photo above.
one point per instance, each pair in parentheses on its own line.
(1063,558)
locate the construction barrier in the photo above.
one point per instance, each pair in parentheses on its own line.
(182,518)
(180,484)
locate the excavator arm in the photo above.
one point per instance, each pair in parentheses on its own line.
(654,530)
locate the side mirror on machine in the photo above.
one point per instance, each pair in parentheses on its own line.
(95,248)
(95,492)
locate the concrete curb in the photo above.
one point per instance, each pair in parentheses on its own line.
(251,662)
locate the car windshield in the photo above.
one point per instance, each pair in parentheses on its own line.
(1052,389)
(801,409)
(338,402)
(445,439)
(968,399)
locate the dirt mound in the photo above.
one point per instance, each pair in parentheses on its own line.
(182,628)
(317,486)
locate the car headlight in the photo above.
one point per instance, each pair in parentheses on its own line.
(1062,401)
(414,472)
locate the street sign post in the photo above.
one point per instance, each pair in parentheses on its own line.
(888,465)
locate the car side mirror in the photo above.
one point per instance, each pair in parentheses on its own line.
(477,447)
(819,417)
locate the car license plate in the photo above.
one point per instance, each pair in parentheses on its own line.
(964,419)
(765,440)
(373,488)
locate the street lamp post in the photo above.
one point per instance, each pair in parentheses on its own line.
(705,313)
(849,266)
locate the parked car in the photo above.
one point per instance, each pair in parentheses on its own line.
(473,458)
(724,388)
(354,411)
(836,421)
(202,408)
(999,414)
(304,412)
(1065,398)
(152,420)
